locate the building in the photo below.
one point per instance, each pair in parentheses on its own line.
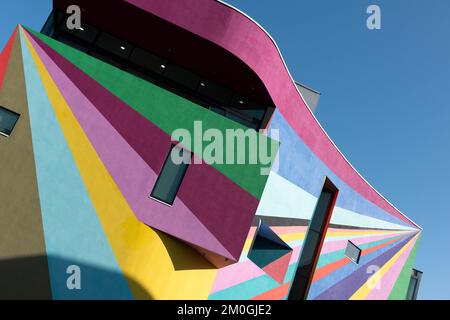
(94,208)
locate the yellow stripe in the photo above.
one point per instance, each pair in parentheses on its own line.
(365,232)
(372,282)
(142,253)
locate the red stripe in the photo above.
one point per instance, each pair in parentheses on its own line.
(274,294)
(4,57)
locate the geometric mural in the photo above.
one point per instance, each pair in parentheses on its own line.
(89,145)
(270,253)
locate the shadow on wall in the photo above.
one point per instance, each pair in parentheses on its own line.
(27,279)
(182,255)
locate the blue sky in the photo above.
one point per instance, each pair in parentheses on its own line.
(384,97)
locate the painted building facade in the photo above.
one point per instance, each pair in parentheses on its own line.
(89,117)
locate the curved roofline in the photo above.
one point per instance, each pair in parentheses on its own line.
(312,114)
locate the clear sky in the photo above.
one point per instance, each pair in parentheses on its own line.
(384,97)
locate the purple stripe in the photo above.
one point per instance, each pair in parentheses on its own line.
(345,288)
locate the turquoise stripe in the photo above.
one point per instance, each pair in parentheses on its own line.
(251,288)
(73,232)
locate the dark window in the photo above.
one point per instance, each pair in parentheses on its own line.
(106,59)
(86,33)
(148,61)
(182,76)
(171,175)
(270,253)
(313,242)
(156,69)
(8,120)
(114,45)
(215,92)
(353,252)
(414,284)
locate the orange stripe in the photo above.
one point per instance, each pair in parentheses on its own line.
(331,267)
(274,294)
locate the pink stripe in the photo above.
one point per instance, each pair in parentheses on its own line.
(390,277)
(130,172)
(243,271)
(331,246)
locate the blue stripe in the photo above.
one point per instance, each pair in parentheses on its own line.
(298,164)
(73,232)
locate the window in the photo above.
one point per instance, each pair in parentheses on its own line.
(171,175)
(114,45)
(270,253)
(182,76)
(156,69)
(8,120)
(414,284)
(313,242)
(353,252)
(148,61)
(87,33)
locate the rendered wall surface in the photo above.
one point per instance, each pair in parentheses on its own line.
(20,216)
(88,148)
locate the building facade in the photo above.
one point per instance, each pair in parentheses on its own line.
(93,207)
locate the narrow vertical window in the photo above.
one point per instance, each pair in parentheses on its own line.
(414,284)
(8,120)
(313,242)
(171,175)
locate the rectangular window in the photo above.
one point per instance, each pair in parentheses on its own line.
(353,252)
(8,120)
(313,242)
(114,45)
(171,175)
(414,284)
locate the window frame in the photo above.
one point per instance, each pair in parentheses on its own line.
(15,122)
(151,196)
(359,252)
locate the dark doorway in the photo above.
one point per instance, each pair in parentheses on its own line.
(313,242)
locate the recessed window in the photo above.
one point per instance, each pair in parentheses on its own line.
(414,285)
(270,253)
(353,252)
(215,91)
(114,45)
(85,32)
(147,60)
(8,120)
(313,242)
(171,175)
(182,76)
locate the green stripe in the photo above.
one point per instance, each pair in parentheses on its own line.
(166,110)
(400,288)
